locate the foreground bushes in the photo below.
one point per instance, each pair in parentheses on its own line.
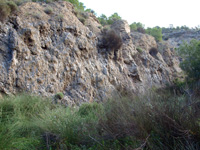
(158,120)
(29,122)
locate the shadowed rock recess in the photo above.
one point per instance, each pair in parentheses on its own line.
(50,53)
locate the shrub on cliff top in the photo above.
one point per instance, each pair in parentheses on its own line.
(156,32)
(108,20)
(137,26)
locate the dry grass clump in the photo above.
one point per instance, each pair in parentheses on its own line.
(7,8)
(48,11)
(112,40)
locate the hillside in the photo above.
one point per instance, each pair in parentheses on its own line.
(120,89)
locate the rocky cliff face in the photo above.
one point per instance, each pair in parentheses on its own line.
(176,38)
(49,53)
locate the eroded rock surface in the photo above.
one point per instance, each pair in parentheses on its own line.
(176,38)
(49,53)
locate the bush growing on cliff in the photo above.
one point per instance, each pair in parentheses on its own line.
(139,49)
(112,40)
(114,17)
(137,26)
(78,5)
(108,20)
(103,20)
(48,11)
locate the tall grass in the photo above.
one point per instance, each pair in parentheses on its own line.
(154,121)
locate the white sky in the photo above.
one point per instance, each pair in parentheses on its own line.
(150,12)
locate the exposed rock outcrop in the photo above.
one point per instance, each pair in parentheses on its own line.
(49,53)
(176,38)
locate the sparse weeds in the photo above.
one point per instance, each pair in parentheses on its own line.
(82,16)
(60,17)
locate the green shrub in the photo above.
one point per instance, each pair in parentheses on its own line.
(48,11)
(108,20)
(103,20)
(86,109)
(190,54)
(156,32)
(141,30)
(137,26)
(6,110)
(133,27)
(114,17)
(78,5)
(59,95)
(18,130)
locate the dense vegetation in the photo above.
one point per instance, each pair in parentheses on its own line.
(190,54)
(108,20)
(157,120)
(156,32)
